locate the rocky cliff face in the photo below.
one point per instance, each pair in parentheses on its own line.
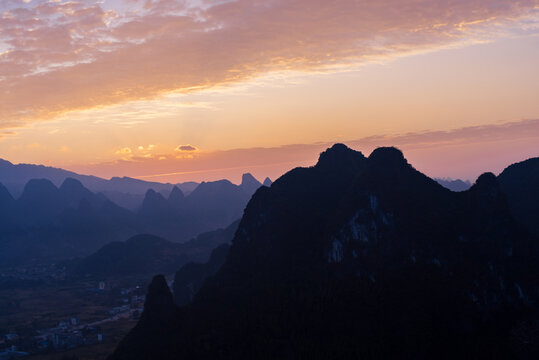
(365,258)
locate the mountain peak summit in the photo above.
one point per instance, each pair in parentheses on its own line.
(389,156)
(248,178)
(339,155)
(176,195)
(249,183)
(71,184)
(159,306)
(267,182)
(38,188)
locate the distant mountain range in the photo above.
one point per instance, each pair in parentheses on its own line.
(126,192)
(49,223)
(361,258)
(454,185)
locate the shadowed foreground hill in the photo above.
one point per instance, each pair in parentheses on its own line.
(359,258)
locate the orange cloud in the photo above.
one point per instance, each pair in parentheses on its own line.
(57,57)
(124,151)
(186,148)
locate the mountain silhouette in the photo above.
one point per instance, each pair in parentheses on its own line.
(249,184)
(191,276)
(267,182)
(361,258)
(520,182)
(125,191)
(158,317)
(454,185)
(47,223)
(176,198)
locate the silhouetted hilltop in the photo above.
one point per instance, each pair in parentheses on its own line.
(176,198)
(39,203)
(155,204)
(73,192)
(520,184)
(249,184)
(267,182)
(217,203)
(454,185)
(362,258)
(158,318)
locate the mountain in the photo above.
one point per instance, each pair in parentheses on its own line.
(14,177)
(192,275)
(267,182)
(39,203)
(359,258)
(520,184)
(126,192)
(73,192)
(47,223)
(249,184)
(155,204)
(176,198)
(216,204)
(201,246)
(454,185)
(148,255)
(6,206)
(5,196)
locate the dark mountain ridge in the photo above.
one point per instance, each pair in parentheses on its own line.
(361,258)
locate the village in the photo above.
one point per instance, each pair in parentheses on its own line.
(71,333)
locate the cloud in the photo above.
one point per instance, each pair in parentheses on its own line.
(186,148)
(4,134)
(57,57)
(524,129)
(124,151)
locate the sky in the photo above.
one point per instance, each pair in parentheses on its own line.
(193,90)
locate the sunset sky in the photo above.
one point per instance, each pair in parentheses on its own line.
(172,90)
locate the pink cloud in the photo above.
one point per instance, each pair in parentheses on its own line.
(63,56)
